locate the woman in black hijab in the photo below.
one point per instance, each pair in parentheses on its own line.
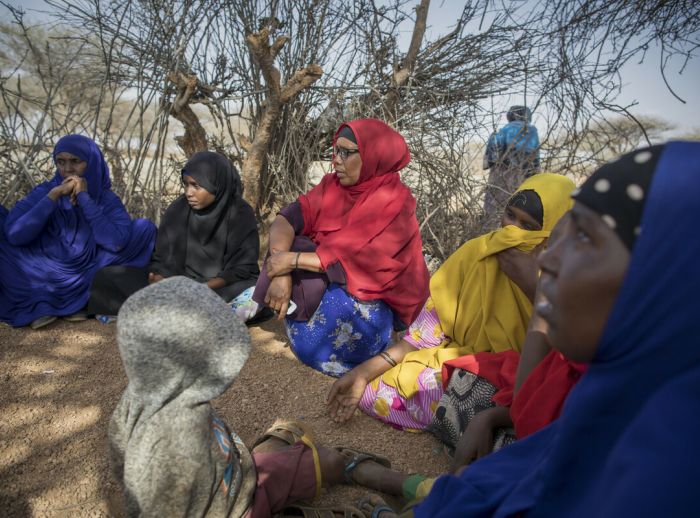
(208,234)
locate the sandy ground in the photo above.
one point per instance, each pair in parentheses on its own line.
(59,386)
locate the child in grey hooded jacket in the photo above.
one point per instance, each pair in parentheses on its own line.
(182,346)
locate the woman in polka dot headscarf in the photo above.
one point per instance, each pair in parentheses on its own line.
(619,292)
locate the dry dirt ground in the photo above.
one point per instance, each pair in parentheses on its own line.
(59,385)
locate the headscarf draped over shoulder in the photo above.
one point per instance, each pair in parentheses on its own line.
(371,227)
(220,240)
(480,308)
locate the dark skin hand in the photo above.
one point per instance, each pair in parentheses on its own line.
(477,439)
(346,392)
(281,262)
(154,277)
(522,268)
(79,185)
(216,282)
(278,294)
(66,188)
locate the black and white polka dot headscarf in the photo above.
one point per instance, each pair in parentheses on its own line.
(618,189)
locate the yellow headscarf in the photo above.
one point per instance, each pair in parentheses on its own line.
(479,307)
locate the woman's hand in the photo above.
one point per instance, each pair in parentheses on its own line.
(477,439)
(78,184)
(345,394)
(521,268)
(278,294)
(280,263)
(154,277)
(216,282)
(65,189)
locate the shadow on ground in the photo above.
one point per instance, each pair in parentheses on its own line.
(59,386)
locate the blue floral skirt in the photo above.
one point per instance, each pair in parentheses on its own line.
(342,333)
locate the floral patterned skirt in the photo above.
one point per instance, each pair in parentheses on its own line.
(342,333)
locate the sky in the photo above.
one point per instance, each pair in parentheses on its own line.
(641,83)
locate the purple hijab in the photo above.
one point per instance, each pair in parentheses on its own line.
(50,251)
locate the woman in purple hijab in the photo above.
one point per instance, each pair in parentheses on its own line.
(54,241)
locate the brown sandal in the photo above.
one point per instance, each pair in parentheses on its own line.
(292,432)
(339,511)
(359,457)
(288,431)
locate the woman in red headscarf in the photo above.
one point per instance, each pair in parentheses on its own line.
(348,254)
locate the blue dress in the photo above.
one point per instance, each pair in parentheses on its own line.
(342,333)
(50,250)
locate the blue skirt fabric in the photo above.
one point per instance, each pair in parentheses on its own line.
(342,333)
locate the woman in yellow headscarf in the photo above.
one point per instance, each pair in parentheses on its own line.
(480,301)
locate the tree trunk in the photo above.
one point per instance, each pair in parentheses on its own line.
(255,178)
(195,138)
(402,72)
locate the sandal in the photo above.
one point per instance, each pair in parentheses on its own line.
(358,457)
(339,511)
(78,316)
(375,506)
(288,431)
(292,432)
(43,321)
(261,316)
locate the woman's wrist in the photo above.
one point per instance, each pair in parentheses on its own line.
(278,250)
(498,416)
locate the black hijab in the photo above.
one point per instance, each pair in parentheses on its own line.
(529,201)
(218,241)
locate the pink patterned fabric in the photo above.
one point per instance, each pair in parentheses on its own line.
(383,402)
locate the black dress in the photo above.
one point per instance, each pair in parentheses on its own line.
(219,241)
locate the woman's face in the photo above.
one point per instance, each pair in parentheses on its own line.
(582,271)
(347,170)
(519,218)
(70,165)
(197,196)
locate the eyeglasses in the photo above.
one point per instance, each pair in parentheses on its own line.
(344,153)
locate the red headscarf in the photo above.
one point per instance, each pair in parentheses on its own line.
(371,227)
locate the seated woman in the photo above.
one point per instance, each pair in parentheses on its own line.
(349,254)
(619,293)
(480,300)
(492,399)
(208,234)
(54,240)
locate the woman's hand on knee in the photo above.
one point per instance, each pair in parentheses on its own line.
(278,294)
(280,263)
(477,439)
(345,394)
